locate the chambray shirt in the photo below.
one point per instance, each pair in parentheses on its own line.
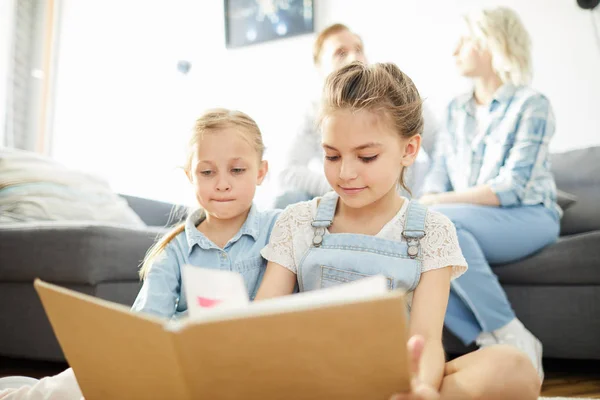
(163,294)
(508,150)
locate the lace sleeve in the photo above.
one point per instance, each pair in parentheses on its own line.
(440,245)
(282,248)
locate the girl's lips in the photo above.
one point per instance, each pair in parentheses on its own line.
(352,190)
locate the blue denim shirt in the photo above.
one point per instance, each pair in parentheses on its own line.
(509,151)
(163,294)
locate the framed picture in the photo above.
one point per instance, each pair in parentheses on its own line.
(255,21)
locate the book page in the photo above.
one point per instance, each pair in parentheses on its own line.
(362,289)
(209,290)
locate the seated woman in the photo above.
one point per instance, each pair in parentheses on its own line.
(491,176)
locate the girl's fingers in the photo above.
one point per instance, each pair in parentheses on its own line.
(415,346)
(423,392)
(402,397)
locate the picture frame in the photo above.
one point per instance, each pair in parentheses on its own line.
(249,22)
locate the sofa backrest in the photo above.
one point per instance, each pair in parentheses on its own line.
(578,172)
(156,213)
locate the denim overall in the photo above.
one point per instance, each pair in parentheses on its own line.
(336,258)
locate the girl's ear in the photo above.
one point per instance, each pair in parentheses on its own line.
(263,168)
(411,150)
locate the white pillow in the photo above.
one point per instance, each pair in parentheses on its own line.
(37,188)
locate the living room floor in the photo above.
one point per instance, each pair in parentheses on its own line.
(564,378)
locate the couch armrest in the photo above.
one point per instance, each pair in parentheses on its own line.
(73,252)
(156,213)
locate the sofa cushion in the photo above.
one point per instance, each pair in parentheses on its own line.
(573,260)
(564,199)
(73,252)
(578,172)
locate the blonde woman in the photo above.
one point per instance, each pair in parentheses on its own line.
(491,176)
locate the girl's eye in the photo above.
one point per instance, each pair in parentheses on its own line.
(206,173)
(368,159)
(237,171)
(332,158)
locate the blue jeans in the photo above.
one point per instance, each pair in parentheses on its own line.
(493,235)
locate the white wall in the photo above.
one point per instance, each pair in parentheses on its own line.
(123,111)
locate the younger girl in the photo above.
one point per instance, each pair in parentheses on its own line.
(224,165)
(371,120)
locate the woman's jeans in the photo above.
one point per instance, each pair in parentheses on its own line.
(491,235)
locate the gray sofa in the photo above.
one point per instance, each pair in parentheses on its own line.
(556,292)
(97,259)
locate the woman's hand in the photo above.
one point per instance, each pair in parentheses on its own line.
(419,390)
(482,195)
(429,199)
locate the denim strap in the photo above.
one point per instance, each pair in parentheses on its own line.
(414,227)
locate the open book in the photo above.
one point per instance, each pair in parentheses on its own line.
(347,342)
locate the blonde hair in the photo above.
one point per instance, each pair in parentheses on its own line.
(501,31)
(210,122)
(322,37)
(380,88)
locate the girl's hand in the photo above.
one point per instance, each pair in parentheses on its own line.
(419,390)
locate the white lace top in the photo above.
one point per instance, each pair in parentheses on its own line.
(292,236)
